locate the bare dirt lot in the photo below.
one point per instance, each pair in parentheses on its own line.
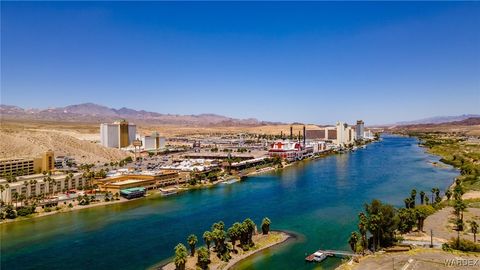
(417,259)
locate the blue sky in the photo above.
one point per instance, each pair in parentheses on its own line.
(314,62)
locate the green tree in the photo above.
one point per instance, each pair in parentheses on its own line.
(458,208)
(250,226)
(219,237)
(192,241)
(234,233)
(474,229)
(203,258)
(207,238)
(381,223)
(448,193)
(218,225)
(406,220)
(352,241)
(363,228)
(266,225)
(422,212)
(422,197)
(181,255)
(413,196)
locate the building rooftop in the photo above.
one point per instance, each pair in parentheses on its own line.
(126,182)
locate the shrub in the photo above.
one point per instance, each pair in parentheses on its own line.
(25,211)
(462,244)
(10,213)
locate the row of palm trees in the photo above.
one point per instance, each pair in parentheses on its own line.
(218,236)
(424,199)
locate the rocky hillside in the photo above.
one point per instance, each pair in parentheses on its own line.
(27,142)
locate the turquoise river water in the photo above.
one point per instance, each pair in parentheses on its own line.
(319,200)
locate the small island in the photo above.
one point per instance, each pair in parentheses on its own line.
(220,254)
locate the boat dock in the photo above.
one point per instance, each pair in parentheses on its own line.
(321,255)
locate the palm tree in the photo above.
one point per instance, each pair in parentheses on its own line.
(203,258)
(192,241)
(352,241)
(362,227)
(15,197)
(459,207)
(426,200)
(25,184)
(2,189)
(181,255)
(474,228)
(7,186)
(422,196)
(207,238)
(408,202)
(250,225)
(266,225)
(234,233)
(413,195)
(448,193)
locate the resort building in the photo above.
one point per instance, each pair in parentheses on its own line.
(119,134)
(285,149)
(148,181)
(360,129)
(27,166)
(341,134)
(345,134)
(39,184)
(153,142)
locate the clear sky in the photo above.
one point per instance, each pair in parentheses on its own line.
(309,62)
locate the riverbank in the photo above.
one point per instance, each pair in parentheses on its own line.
(459,152)
(261,241)
(171,190)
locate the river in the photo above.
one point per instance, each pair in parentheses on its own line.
(319,200)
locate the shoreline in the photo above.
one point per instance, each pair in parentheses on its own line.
(290,236)
(268,169)
(234,261)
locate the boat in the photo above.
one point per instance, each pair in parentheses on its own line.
(168,193)
(231,181)
(317,256)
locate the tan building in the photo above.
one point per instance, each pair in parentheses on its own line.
(36,184)
(27,166)
(164,178)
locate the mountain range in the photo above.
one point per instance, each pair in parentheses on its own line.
(439,119)
(90,112)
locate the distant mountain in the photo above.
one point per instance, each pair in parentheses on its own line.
(439,119)
(91,112)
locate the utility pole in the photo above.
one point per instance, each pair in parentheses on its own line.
(431,238)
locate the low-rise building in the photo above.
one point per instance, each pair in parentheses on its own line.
(148,181)
(288,150)
(39,184)
(26,165)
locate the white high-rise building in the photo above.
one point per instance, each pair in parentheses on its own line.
(118,134)
(153,142)
(345,134)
